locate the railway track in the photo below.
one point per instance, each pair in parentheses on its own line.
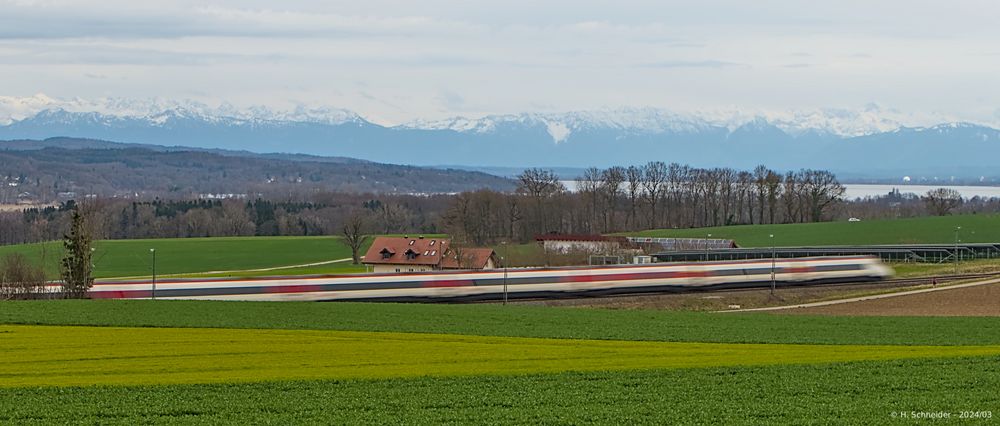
(942,278)
(889,283)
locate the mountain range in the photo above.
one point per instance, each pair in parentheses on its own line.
(871,141)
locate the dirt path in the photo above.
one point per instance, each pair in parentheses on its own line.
(980,298)
(273,268)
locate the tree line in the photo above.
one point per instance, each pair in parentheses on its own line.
(615,199)
(655,195)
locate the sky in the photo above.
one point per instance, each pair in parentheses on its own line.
(397,61)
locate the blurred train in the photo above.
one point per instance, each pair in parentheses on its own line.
(519,283)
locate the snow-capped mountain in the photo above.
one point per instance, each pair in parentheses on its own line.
(834,121)
(159,111)
(869,138)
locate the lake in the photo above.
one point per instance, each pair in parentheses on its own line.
(870,190)
(861,190)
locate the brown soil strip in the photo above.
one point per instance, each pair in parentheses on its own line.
(721,300)
(983,300)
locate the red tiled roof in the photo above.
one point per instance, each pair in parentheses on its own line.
(424,251)
(473,258)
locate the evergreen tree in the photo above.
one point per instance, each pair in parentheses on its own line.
(76,267)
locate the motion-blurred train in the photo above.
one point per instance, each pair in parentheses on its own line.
(519,283)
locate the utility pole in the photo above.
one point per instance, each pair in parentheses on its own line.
(153,252)
(706,246)
(955,255)
(504,260)
(773,261)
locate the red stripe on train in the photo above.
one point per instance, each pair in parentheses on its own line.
(120,294)
(634,276)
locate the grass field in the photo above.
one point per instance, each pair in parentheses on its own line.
(126,362)
(126,258)
(840,393)
(941,229)
(199,257)
(509,321)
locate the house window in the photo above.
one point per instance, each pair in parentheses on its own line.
(397,269)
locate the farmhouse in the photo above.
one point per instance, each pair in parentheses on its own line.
(416,254)
(593,244)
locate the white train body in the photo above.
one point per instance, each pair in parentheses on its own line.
(520,282)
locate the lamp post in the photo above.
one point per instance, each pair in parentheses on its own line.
(957,228)
(706,246)
(773,260)
(504,260)
(153,252)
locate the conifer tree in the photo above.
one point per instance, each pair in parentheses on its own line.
(76,267)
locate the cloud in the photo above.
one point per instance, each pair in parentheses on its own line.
(693,64)
(77,53)
(451,100)
(153,20)
(505,56)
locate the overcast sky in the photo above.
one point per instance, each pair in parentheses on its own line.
(393,61)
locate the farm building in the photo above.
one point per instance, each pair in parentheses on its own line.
(652,244)
(469,258)
(593,244)
(416,254)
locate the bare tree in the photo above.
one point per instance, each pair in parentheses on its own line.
(790,197)
(941,201)
(539,183)
(760,174)
(820,190)
(773,182)
(513,214)
(611,187)
(393,217)
(589,186)
(633,175)
(654,177)
(19,279)
(354,235)
(540,186)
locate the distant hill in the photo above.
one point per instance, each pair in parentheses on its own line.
(45,168)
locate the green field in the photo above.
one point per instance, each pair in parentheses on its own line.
(128,258)
(240,256)
(938,229)
(839,393)
(259,362)
(510,321)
